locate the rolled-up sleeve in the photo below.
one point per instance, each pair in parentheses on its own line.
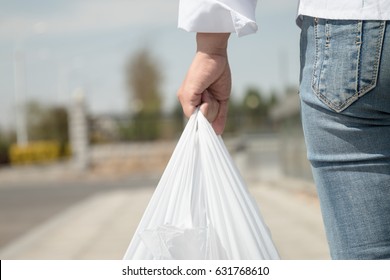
(218,16)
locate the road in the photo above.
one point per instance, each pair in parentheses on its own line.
(25,205)
(97,222)
(95,218)
(295,220)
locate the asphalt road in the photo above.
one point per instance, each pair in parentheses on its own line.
(25,205)
(101,226)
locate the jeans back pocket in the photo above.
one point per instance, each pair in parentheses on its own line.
(347,59)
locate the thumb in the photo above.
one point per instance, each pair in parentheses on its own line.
(209,106)
(220,121)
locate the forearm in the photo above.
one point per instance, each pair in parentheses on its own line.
(212,43)
(208,81)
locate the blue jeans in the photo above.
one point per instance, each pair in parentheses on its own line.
(345,107)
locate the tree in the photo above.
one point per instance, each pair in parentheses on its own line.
(273,100)
(253,102)
(47,123)
(5,141)
(255,109)
(144,79)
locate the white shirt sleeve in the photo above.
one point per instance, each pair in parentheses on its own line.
(218,16)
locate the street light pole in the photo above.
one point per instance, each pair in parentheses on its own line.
(20,85)
(20,89)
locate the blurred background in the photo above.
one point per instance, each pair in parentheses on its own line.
(89,119)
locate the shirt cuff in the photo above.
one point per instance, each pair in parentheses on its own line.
(218,16)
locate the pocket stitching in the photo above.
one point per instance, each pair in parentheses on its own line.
(347,102)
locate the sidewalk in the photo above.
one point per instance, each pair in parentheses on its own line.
(102,226)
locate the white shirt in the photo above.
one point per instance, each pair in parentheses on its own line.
(238,16)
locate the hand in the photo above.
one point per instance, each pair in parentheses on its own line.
(208,81)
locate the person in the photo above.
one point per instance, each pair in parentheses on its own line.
(345,105)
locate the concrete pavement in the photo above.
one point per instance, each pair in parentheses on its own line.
(101,226)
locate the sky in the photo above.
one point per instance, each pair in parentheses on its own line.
(66,45)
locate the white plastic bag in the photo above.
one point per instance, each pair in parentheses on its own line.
(201,208)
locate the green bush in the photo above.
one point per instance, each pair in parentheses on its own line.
(143,127)
(4,147)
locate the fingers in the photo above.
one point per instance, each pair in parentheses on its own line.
(207,84)
(209,106)
(189,102)
(215,111)
(220,121)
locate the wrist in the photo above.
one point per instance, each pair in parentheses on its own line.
(212,43)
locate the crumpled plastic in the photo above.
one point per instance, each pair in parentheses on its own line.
(201,208)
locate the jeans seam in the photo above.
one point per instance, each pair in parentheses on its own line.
(358,43)
(327,34)
(316,51)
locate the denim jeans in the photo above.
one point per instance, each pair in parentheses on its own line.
(345,107)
